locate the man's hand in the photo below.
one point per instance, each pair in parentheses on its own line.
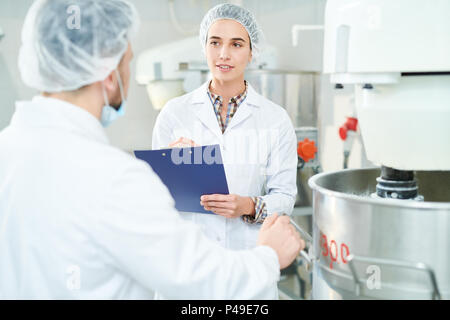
(228,205)
(277,233)
(183,143)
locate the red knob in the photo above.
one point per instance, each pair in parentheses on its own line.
(306,149)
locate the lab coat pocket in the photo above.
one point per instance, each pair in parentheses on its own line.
(240,179)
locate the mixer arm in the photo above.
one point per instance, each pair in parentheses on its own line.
(308,256)
(394,263)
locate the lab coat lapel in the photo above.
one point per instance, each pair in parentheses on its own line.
(246,108)
(204,110)
(242,113)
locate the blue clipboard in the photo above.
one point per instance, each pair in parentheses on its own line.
(188,173)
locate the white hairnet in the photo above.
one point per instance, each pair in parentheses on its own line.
(67,44)
(236,13)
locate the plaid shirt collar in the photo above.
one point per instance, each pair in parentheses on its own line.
(233,105)
(236,99)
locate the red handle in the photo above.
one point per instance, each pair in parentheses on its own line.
(350,125)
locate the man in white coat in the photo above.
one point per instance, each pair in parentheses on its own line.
(82,219)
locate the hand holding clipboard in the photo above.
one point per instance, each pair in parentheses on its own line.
(188,173)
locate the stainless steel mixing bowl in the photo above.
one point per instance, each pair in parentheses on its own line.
(365,247)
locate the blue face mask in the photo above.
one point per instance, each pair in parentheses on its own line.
(109,113)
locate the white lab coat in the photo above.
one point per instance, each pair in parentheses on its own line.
(82,219)
(259,154)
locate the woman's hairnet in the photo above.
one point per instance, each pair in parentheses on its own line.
(68,44)
(236,13)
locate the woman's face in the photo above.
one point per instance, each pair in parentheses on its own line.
(228,50)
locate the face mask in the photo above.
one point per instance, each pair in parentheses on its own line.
(109,113)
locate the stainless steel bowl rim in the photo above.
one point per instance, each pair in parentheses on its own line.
(379,202)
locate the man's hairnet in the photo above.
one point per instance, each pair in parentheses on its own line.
(236,13)
(67,44)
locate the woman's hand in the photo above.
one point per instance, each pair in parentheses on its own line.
(228,205)
(183,143)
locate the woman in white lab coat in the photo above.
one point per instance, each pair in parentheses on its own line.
(256,136)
